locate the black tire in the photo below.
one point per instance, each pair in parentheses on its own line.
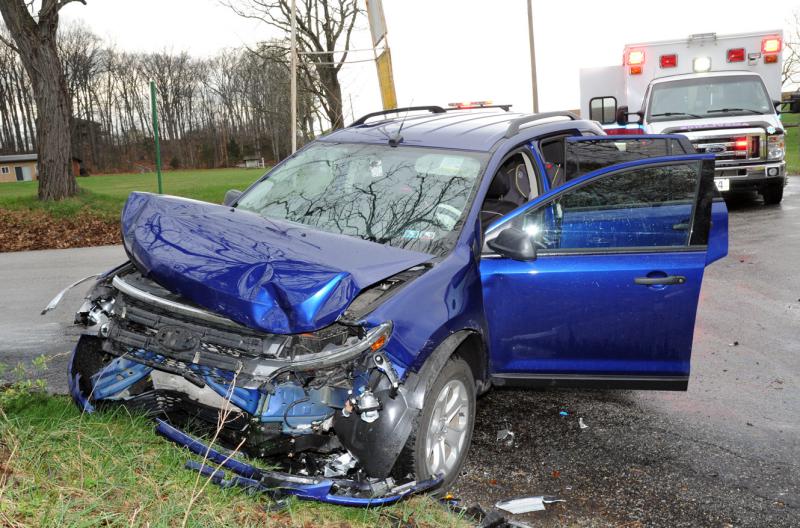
(412,460)
(772,194)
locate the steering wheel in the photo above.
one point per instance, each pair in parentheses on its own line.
(446,215)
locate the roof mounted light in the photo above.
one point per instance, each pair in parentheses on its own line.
(668,61)
(771,45)
(701,64)
(635,57)
(471,104)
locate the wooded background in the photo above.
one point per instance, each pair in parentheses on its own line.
(213,112)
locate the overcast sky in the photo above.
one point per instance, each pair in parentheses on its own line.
(451,50)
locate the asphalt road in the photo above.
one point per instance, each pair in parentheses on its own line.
(725,453)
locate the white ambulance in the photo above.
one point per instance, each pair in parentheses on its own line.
(722,91)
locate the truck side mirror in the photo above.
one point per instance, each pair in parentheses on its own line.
(624,117)
(777,104)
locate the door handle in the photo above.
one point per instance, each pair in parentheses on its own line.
(683,226)
(652,281)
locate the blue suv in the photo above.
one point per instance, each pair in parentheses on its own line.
(344,312)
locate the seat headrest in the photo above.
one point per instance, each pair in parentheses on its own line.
(499,186)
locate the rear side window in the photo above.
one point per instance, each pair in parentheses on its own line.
(645,207)
(603,109)
(589,155)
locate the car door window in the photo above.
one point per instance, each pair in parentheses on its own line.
(641,207)
(515,183)
(584,155)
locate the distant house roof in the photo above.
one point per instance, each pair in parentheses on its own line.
(11,158)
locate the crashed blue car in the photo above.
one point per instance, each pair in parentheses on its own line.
(345,311)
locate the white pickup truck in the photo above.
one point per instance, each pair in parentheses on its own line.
(722,92)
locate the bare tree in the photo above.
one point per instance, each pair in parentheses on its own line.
(790,71)
(34,38)
(324,28)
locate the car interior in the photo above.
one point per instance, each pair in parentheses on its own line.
(513,185)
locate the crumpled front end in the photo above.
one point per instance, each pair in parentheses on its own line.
(296,399)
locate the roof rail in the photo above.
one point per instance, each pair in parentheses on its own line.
(506,107)
(432,109)
(513,126)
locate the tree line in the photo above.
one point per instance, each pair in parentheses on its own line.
(213,112)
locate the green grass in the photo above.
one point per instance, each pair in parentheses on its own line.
(792,143)
(104,195)
(61,468)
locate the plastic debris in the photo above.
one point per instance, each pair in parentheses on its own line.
(564,413)
(523,505)
(582,424)
(505,436)
(735,343)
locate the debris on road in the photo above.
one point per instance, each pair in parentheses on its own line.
(505,436)
(523,505)
(735,343)
(563,413)
(582,424)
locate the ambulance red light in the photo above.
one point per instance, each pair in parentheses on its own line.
(736,55)
(771,45)
(635,57)
(740,144)
(668,61)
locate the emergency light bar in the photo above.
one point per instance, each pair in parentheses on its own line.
(471,104)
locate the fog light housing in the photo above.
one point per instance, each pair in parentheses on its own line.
(773,171)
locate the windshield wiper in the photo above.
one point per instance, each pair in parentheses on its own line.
(720,110)
(674,114)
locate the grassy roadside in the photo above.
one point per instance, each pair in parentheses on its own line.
(104,195)
(61,468)
(792,143)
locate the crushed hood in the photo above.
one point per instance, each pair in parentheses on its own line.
(273,276)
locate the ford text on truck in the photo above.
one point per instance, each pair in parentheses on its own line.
(720,91)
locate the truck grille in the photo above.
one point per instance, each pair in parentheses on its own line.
(732,148)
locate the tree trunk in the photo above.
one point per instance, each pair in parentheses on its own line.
(36,44)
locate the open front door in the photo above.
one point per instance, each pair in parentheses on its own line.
(612,291)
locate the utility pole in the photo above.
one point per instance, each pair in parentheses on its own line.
(534,88)
(293,74)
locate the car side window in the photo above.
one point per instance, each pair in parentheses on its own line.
(644,207)
(588,155)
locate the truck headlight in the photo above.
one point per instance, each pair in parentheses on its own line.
(775,147)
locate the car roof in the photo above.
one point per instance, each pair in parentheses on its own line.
(473,129)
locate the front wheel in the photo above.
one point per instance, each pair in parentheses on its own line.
(441,440)
(773,194)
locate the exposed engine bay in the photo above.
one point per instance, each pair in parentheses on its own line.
(309,402)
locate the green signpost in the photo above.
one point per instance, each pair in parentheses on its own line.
(155,134)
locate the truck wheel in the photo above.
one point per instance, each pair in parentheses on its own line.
(440,441)
(772,194)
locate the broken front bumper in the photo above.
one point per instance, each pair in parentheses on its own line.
(314,404)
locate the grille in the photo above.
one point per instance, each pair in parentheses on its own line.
(726,148)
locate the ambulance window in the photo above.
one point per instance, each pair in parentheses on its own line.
(603,109)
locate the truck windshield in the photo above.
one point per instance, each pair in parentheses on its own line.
(705,97)
(408,197)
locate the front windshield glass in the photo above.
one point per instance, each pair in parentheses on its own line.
(705,97)
(407,197)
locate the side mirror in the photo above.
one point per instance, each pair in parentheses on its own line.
(777,105)
(624,117)
(231,197)
(513,243)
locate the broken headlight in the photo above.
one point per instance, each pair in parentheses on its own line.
(330,353)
